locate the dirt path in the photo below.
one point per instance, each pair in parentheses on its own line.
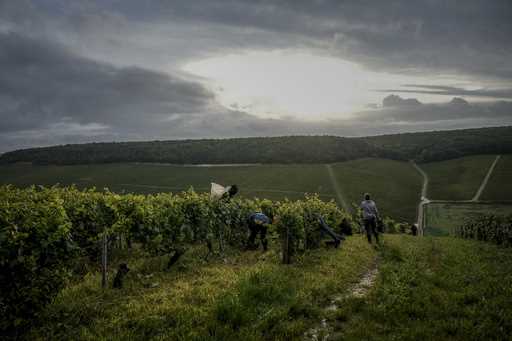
(425,179)
(366,282)
(486,179)
(423,199)
(337,189)
(323,331)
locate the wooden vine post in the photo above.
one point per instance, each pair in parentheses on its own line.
(286,247)
(104,250)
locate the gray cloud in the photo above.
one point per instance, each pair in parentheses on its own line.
(452,91)
(455,110)
(397,101)
(424,117)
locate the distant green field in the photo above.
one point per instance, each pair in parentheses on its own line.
(456,179)
(499,186)
(442,218)
(268,181)
(394,185)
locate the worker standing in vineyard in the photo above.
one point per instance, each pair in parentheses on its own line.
(258,224)
(370,215)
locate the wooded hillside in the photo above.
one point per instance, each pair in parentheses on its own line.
(422,147)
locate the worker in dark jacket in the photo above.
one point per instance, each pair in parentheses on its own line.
(326,229)
(370,216)
(414,229)
(230,192)
(345,227)
(258,224)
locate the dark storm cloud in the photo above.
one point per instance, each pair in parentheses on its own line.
(135,32)
(471,37)
(42,83)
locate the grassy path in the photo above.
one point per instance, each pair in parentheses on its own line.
(337,189)
(486,179)
(324,330)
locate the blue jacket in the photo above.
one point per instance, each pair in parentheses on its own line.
(259,218)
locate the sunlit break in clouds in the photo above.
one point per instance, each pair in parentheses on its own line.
(303,85)
(82,71)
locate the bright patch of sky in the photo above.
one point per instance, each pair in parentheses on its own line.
(301,84)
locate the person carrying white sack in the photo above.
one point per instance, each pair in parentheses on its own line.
(219,192)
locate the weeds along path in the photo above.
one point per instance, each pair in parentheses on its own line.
(423,197)
(337,188)
(486,179)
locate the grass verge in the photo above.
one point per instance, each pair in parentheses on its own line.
(433,289)
(246,296)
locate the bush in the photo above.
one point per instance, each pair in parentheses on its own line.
(89,213)
(35,253)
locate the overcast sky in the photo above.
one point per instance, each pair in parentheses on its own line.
(117,70)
